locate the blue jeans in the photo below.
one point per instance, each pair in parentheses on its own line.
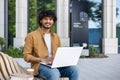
(72,72)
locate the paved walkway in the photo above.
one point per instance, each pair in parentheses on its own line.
(97,68)
(100,68)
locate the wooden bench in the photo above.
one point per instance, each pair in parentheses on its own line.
(9,66)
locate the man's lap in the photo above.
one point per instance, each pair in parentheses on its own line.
(61,72)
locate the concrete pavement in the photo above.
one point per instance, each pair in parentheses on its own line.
(100,68)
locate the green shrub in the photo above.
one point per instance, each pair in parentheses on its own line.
(15,52)
(2,43)
(92,51)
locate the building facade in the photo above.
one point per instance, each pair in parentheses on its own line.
(109,40)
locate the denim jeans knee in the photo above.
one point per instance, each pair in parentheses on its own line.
(49,73)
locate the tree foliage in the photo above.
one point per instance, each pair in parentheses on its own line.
(11,21)
(35,6)
(47,4)
(96,12)
(32,15)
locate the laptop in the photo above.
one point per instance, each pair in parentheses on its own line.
(65,56)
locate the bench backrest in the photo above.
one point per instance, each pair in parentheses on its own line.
(9,66)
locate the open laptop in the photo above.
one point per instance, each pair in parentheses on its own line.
(65,56)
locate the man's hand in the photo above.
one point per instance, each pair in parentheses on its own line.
(47,60)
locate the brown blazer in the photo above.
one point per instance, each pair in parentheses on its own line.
(35,46)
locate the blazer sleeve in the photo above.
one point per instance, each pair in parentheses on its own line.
(28,48)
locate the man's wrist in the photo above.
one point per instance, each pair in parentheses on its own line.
(39,59)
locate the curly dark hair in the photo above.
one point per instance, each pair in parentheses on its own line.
(46,13)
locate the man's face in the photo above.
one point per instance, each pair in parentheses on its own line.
(47,22)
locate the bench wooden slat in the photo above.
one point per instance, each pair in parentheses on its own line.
(7,65)
(1,75)
(11,65)
(3,69)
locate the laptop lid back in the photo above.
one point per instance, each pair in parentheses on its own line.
(66,56)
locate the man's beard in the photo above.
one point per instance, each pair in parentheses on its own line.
(45,26)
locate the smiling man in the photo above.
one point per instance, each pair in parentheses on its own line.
(41,45)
